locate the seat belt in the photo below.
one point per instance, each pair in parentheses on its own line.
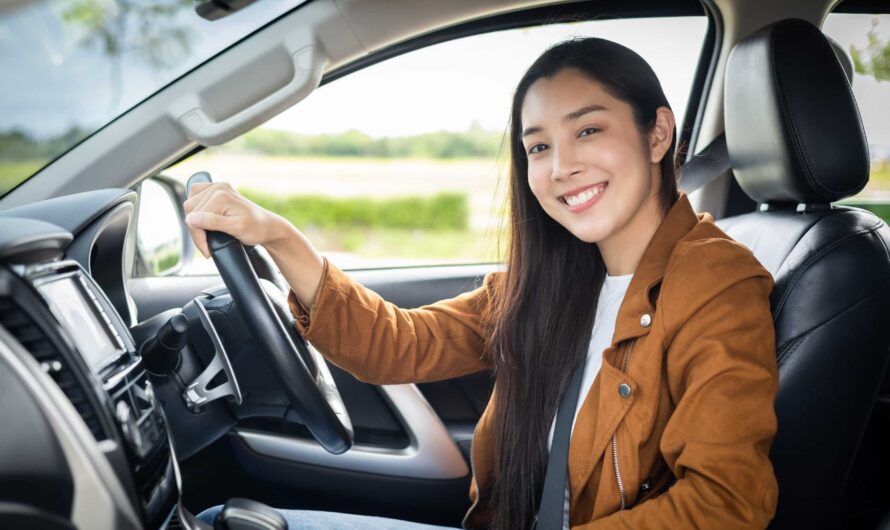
(553,496)
(704,167)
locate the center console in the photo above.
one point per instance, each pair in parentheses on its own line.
(66,322)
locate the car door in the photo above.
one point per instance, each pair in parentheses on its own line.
(396,170)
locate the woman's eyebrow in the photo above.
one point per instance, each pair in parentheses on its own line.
(582,111)
(574,115)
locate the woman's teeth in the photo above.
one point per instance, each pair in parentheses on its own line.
(584,196)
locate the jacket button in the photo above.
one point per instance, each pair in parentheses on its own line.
(646,320)
(624,390)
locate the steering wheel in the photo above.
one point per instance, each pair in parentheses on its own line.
(307,383)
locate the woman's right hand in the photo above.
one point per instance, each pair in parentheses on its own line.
(219,207)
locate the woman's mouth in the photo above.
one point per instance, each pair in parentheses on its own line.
(579,200)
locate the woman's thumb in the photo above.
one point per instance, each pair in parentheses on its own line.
(207,220)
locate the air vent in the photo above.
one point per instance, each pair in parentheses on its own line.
(33,339)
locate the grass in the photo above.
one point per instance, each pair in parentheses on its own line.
(12,173)
(412,228)
(443,245)
(442,211)
(880,177)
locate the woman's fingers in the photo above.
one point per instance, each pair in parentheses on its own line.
(213,221)
(206,199)
(200,238)
(195,192)
(217,206)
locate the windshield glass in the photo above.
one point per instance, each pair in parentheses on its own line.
(72,66)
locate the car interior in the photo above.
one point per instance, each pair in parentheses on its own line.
(130,400)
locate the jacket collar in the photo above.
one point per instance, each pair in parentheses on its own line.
(675,225)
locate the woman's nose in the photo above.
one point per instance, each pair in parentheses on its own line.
(565,163)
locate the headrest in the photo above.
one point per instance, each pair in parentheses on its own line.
(843,58)
(792,126)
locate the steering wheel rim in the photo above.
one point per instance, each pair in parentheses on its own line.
(315,398)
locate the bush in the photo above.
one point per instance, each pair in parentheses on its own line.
(443,211)
(473,143)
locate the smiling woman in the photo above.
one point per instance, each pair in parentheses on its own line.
(627,290)
(81,64)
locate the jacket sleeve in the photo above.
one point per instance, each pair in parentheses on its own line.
(379,343)
(720,344)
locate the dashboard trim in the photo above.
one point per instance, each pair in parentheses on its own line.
(99,501)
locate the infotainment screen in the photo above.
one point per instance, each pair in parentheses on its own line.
(67,301)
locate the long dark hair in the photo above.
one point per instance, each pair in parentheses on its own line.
(547,301)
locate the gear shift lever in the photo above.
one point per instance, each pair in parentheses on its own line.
(245,514)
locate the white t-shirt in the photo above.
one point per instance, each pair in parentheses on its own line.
(613,291)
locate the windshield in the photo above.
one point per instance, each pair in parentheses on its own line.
(70,67)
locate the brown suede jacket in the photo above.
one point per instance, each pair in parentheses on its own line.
(694,344)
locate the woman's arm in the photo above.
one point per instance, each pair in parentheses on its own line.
(381,343)
(723,377)
(350,324)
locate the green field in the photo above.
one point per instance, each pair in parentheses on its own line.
(416,228)
(12,173)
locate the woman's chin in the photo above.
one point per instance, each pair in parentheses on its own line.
(590,234)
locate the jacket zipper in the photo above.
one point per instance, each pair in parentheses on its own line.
(615,465)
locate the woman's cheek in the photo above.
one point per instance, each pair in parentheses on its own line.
(537,181)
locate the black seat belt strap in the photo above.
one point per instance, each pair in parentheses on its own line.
(705,166)
(553,496)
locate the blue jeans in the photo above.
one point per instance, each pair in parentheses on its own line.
(313,520)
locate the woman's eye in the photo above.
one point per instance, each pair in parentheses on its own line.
(537,148)
(588,131)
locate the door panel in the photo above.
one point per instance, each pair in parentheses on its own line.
(411,458)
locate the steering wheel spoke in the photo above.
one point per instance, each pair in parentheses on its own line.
(196,394)
(312,393)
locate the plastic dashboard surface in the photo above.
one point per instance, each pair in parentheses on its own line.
(65,313)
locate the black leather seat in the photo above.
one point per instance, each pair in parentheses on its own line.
(796,144)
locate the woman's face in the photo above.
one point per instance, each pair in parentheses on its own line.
(588,164)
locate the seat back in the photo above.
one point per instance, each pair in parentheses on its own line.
(796,144)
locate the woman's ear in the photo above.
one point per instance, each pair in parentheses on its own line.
(661,135)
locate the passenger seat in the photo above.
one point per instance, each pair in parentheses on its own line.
(796,145)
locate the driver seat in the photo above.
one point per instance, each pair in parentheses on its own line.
(796,145)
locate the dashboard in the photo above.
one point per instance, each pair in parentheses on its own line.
(90,447)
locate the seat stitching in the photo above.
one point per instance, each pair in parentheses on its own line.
(789,348)
(796,276)
(795,342)
(785,108)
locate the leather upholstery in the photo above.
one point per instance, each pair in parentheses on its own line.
(792,125)
(831,265)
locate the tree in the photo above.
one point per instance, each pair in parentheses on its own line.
(874,59)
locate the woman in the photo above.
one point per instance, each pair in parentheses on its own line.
(610,271)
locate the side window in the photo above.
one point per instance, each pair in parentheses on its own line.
(404,162)
(866,39)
